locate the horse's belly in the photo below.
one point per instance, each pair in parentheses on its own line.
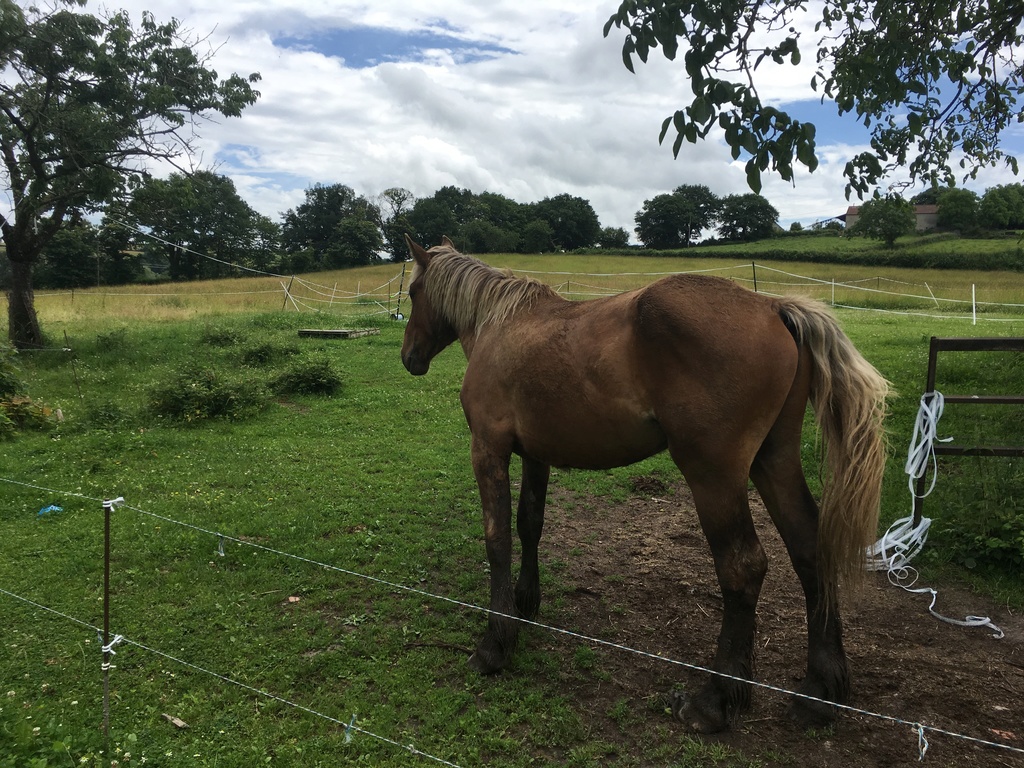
(592,444)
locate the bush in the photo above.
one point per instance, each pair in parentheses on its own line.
(197,393)
(10,383)
(265,353)
(106,414)
(217,336)
(17,410)
(113,341)
(309,376)
(987,530)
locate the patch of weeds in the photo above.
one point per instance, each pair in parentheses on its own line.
(114,340)
(221,336)
(986,528)
(265,353)
(35,738)
(584,657)
(647,485)
(820,734)
(620,713)
(197,393)
(24,413)
(7,427)
(308,376)
(10,380)
(775,757)
(106,413)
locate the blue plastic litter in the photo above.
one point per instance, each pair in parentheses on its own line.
(51,508)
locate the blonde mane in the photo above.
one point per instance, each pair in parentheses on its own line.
(471,294)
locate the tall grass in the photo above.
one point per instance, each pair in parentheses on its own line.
(377,290)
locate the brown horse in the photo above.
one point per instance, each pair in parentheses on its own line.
(719,376)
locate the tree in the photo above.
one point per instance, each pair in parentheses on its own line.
(746,217)
(481,236)
(958,209)
(573,221)
(1002,207)
(311,230)
(431,219)
(357,242)
(394,205)
(929,196)
(886,218)
(70,259)
(675,220)
(203,227)
(116,247)
(613,237)
(933,83)
(85,103)
(538,237)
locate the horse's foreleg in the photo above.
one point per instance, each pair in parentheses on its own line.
(740,564)
(529,523)
(496,646)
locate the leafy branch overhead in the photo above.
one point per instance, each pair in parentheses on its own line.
(935,84)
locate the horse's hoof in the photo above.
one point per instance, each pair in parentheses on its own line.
(810,713)
(481,666)
(686,711)
(488,658)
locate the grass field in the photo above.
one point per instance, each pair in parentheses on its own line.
(373,479)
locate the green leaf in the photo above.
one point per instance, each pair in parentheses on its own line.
(677,145)
(753,177)
(700,110)
(664,129)
(627,54)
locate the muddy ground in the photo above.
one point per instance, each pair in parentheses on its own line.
(638,573)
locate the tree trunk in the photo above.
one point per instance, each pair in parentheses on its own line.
(23,325)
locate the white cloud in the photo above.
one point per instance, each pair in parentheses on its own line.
(556,113)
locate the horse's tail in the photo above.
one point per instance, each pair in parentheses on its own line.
(848,396)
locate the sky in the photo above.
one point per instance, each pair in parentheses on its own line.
(525,98)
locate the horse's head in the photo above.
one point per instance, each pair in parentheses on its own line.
(427,332)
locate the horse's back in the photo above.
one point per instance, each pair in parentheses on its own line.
(714,329)
(611,381)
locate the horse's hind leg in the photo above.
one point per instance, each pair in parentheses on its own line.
(529,522)
(779,477)
(740,564)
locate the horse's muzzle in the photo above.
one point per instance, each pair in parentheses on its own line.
(415,364)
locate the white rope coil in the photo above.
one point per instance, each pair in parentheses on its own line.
(922,441)
(904,539)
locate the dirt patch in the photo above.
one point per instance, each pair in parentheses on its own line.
(639,574)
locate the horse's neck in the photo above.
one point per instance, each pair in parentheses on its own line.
(468,341)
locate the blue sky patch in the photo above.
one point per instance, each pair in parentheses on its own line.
(363,47)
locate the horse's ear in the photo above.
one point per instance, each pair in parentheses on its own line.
(445,240)
(417,251)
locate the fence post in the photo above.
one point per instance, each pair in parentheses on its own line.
(108,650)
(287,293)
(753,268)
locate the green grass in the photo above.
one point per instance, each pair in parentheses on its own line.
(374,478)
